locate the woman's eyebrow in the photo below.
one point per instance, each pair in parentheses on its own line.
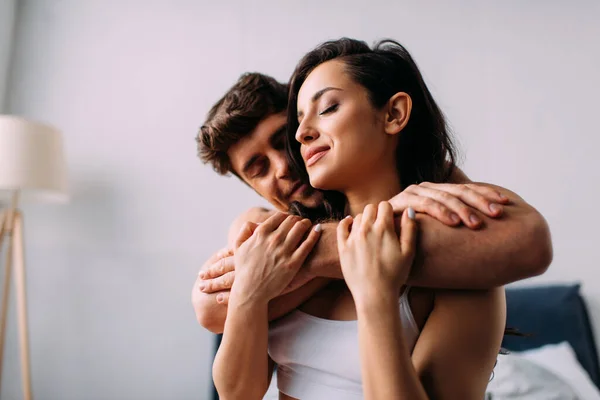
(321,92)
(318,95)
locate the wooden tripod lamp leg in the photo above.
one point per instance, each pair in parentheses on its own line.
(5,230)
(19,265)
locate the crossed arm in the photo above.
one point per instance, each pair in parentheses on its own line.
(503,250)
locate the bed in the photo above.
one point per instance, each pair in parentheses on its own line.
(555,320)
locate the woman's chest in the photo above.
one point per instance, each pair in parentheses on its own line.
(334,302)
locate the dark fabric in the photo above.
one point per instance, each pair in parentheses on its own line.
(215,395)
(552,314)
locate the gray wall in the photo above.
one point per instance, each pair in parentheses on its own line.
(129,84)
(7,20)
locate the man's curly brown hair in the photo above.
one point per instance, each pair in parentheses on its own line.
(253,98)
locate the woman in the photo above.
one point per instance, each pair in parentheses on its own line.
(362,127)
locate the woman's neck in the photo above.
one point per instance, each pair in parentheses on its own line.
(383,186)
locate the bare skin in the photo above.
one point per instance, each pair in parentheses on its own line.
(503,249)
(475,318)
(477,236)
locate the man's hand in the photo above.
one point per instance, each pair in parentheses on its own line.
(205,315)
(451,203)
(218,276)
(218,273)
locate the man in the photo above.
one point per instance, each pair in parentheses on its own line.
(503,238)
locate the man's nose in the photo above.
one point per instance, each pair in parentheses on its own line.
(282,167)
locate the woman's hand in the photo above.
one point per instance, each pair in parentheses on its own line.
(374,260)
(268,256)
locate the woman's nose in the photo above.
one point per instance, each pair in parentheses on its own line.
(306,134)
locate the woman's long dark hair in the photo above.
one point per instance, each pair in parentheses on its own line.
(425,151)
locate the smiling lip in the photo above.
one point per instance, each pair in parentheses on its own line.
(315,154)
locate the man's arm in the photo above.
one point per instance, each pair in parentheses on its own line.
(211,311)
(514,247)
(507,249)
(503,250)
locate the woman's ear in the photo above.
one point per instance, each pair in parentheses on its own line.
(398,112)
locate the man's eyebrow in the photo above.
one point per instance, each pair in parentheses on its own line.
(277,135)
(318,95)
(249,163)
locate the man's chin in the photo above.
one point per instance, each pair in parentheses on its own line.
(312,200)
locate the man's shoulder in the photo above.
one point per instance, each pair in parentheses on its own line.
(255,214)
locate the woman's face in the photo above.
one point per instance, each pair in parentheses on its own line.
(342,136)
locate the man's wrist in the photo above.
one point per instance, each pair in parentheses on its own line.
(324,261)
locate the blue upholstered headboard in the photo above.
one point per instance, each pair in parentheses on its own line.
(549,314)
(552,314)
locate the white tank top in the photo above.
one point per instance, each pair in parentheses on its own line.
(319,359)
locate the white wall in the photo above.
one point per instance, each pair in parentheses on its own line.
(7,20)
(130,82)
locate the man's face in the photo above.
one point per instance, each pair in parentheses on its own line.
(260,160)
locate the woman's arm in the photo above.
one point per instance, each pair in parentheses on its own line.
(266,261)
(454,356)
(241,366)
(456,352)
(457,348)
(386,365)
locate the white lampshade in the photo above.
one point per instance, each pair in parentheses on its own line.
(32,160)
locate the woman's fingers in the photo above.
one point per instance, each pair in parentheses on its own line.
(302,252)
(272,223)
(284,228)
(385,216)
(245,232)
(369,215)
(356,225)
(408,233)
(297,233)
(343,231)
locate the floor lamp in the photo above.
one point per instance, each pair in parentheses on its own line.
(32,167)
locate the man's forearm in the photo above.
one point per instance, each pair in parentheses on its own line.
(212,314)
(504,250)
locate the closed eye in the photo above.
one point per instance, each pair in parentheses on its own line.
(329,109)
(258,170)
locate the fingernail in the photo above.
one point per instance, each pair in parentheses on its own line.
(202,286)
(411,213)
(455,218)
(201,274)
(495,208)
(318,228)
(220,298)
(347,216)
(474,219)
